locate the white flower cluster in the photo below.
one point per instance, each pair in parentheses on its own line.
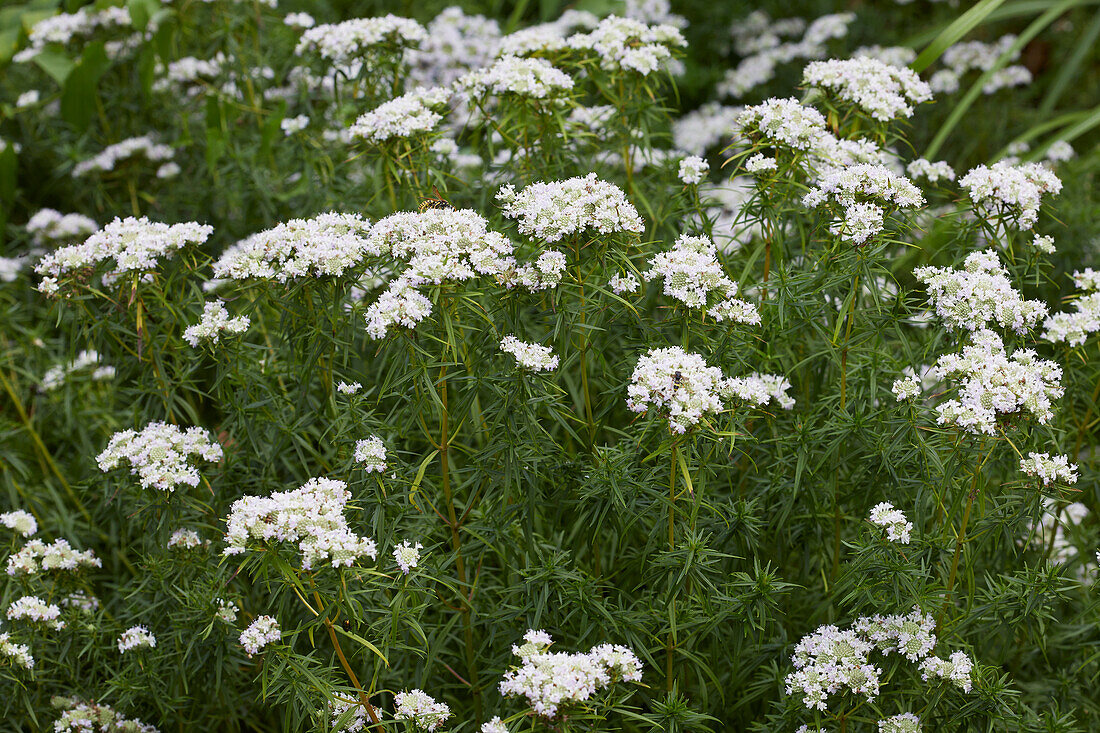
(215,321)
(301,21)
(158,454)
(81,717)
(546,272)
(261,632)
(136,637)
(710,125)
(533,357)
(36,611)
(623,44)
(65,28)
(420,709)
(550,680)
(37,556)
(1043,243)
(693,275)
(80,601)
(20,521)
(693,170)
(188,75)
(294,125)
(904,723)
(906,388)
(348,389)
(552,211)
(495,725)
(184,539)
(957,668)
(993,383)
(522,77)
(226,611)
(1012,193)
(330,244)
(760,163)
(438,246)
(49,227)
(1049,469)
(415,113)
(975,55)
(371,451)
(341,43)
(133,147)
(933,172)
(978,294)
(311,516)
(683,388)
(884,92)
(134,245)
(455,44)
(19,653)
(783,123)
(913,636)
(893,521)
(407,555)
(830,660)
(759,39)
(356,722)
(1074,327)
(863,190)
(621,284)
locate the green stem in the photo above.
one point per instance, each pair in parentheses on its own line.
(970,496)
(583,332)
(671,643)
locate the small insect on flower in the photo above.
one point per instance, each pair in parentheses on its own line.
(438,202)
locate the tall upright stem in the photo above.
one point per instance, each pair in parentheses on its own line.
(363,699)
(670,644)
(585,389)
(844,351)
(456,539)
(970,496)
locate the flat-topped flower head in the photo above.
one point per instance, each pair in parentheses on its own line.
(693,170)
(1010,193)
(554,680)
(261,632)
(783,123)
(866,192)
(893,521)
(49,227)
(158,454)
(372,453)
(184,539)
(624,44)
(1075,327)
(421,709)
(906,388)
(904,723)
(992,384)
(913,635)
(328,245)
(829,661)
(20,521)
(933,172)
(692,274)
(18,654)
(34,610)
(957,669)
(407,555)
(83,717)
(132,148)
(38,557)
(415,113)
(532,357)
(311,517)
(979,294)
(124,246)
(882,91)
(215,321)
(1049,469)
(520,77)
(136,637)
(558,209)
(340,43)
(682,388)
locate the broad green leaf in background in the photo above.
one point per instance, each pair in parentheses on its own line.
(78,93)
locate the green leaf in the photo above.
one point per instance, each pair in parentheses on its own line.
(950,35)
(55,63)
(1068,70)
(78,93)
(141,11)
